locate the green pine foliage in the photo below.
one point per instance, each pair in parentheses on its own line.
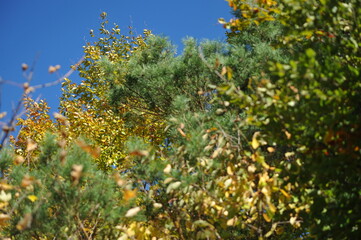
(64,196)
(157,76)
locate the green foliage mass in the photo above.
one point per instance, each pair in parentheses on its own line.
(312,105)
(53,198)
(157,76)
(262,137)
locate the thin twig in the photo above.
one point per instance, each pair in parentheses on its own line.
(288,222)
(201,55)
(59,80)
(95,225)
(11,123)
(16,204)
(82,226)
(16,111)
(253,227)
(32,68)
(176,224)
(11,83)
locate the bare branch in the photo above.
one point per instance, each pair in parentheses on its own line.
(20,85)
(32,68)
(59,80)
(27,90)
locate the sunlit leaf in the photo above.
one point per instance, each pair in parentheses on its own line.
(129,194)
(5,197)
(167,169)
(32,198)
(255,142)
(132,212)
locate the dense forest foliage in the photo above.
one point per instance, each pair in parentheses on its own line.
(257,137)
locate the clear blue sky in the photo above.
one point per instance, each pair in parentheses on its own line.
(55,31)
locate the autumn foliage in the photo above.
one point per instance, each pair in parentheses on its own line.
(255,138)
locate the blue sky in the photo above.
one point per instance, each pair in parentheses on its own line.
(55,31)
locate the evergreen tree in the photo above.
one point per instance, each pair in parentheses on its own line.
(260,135)
(210,182)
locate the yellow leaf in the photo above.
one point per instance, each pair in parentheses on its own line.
(229,170)
(224,71)
(103,15)
(222,21)
(32,198)
(132,212)
(245,15)
(94,151)
(167,169)
(3,205)
(129,194)
(173,186)
(232,221)
(229,73)
(293,220)
(285,193)
(272,207)
(168,180)
(288,135)
(289,154)
(141,153)
(255,143)
(251,168)
(212,129)
(157,205)
(216,152)
(181,132)
(5,197)
(3,219)
(5,186)
(228,183)
(270,232)
(270,149)
(266,217)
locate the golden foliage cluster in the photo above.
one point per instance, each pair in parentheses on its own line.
(85,106)
(250,12)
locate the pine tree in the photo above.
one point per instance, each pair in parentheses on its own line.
(186,188)
(250,139)
(210,182)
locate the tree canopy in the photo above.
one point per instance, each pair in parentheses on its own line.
(254,138)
